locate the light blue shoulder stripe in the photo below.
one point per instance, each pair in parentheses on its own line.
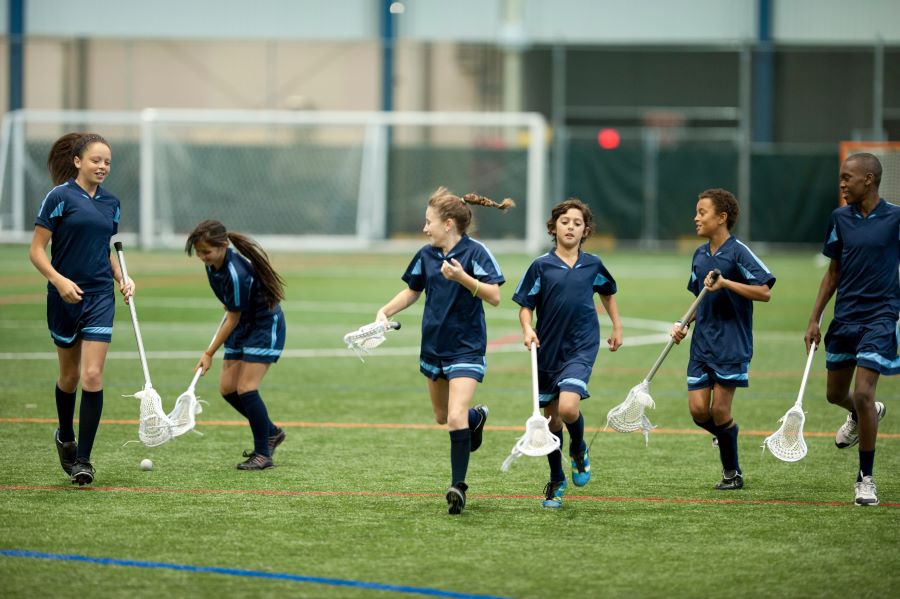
(752,255)
(833,236)
(491,256)
(417,267)
(116,217)
(58,211)
(600,280)
(236,284)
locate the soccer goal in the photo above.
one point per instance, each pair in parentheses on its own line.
(292,179)
(888,152)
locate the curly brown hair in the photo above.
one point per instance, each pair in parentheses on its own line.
(723,201)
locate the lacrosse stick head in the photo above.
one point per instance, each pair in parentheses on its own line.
(155,428)
(787,442)
(629,416)
(368,337)
(537,440)
(183,415)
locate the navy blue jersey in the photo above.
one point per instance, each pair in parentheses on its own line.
(81,228)
(868,253)
(236,286)
(724,320)
(453,320)
(563,299)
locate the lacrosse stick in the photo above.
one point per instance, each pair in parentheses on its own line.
(787,442)
(183,415)
(155,427)
(537,440)
(629,415)
(368,337)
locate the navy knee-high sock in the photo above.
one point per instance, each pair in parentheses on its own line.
(866,464)
(258,416)
(88,422)
(65,412)
(576,435)
(460,446)
(728,441)
(555,459)
(235,400)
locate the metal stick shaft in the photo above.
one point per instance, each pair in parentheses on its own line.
(134,321)
(534,379)
(671,343)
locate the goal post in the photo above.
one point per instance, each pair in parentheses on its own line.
(302,180)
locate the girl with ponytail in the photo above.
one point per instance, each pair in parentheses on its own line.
(457,275)
(253,332)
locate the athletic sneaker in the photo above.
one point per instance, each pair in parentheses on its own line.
(479,428)
(848,434)
(581,468)
(82,472)
(456,497)
(865,492)
(553,494)
(256,461)
(732,480)
(66,451)
(275,440)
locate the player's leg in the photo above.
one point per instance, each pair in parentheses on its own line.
(556,487)
(66,386)
(868,416)
(570,413)
(460,390)
(249,379)
(726,431)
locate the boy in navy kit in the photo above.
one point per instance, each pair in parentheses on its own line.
(863,243)
(560,287)
(722,345)
(253,332)
(80,217)
(457,274)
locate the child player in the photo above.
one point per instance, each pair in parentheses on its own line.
(253,332)
(560,287)
(722,344)
(457,274)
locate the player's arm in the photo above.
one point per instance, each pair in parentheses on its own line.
(126,287)
(231,321)
(525,317)
(454,271)
(403,300)
(826,289)
(756,293)
(614,341)
(68,290)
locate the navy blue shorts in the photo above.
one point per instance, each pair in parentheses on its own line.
(872,345)
(471,366)
(703,375)
(90,319)
(259,341)
(573,377)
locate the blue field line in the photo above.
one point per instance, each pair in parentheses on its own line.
(359,584)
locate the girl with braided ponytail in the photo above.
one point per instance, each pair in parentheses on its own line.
(80,217)
(457,275)
(253,332)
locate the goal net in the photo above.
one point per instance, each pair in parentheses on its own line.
(888,152)
(291,179)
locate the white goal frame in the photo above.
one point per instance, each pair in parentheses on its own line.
(373,189)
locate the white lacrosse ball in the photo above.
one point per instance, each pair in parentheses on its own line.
(146,464)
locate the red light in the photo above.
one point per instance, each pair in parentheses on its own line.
(608,139)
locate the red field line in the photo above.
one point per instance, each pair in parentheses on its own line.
(384,494)
(417,426)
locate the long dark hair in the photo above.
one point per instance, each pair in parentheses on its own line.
(214,233)
(457,209)
(61,159)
